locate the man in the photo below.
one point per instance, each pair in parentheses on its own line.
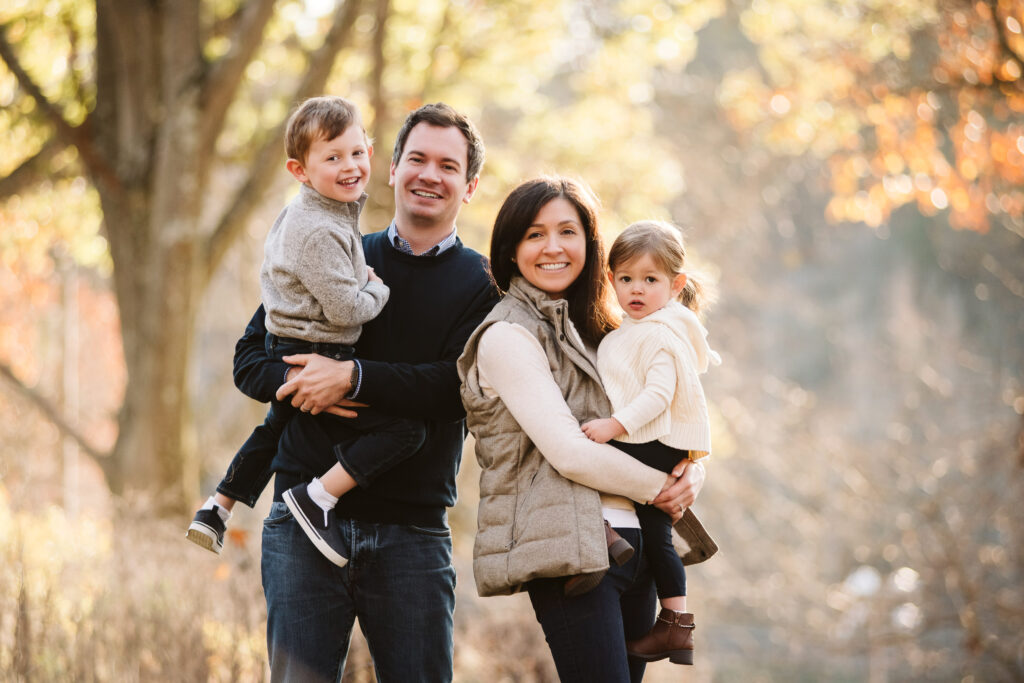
(399,581)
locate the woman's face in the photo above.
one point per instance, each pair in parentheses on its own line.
(553,250)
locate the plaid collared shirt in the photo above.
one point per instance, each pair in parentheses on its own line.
(399,243)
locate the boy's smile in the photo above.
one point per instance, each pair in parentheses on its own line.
(338,168)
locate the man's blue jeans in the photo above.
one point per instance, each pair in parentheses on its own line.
(399,582)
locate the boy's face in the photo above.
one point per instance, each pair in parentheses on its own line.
(430,177)
(338,168)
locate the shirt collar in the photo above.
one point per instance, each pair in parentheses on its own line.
(402,245)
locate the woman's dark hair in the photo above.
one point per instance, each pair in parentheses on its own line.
(588,295)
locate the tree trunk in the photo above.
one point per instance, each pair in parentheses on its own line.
(152,222)
(148,148)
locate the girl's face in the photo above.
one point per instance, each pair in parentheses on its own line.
(643,287)
(553,250)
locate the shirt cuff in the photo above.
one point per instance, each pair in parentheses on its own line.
(357,384)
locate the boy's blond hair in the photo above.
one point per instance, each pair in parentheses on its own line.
(318,118)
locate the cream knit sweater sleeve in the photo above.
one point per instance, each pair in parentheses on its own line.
(512,365)
(659,382)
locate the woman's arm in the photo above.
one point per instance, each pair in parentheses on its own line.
(512,363)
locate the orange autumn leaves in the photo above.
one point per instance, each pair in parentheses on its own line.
(936,117)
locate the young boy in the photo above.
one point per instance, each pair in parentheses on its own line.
(318,292)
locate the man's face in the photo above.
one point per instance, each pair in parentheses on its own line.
(430,177)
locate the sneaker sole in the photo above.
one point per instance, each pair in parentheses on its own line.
(307,528)
(202,538)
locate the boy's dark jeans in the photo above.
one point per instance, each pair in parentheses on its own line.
(656,526)
(390,438)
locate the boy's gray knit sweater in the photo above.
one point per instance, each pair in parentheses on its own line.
(313,278)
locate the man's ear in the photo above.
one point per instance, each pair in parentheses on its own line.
(294,167)
(391,175)
(470,190)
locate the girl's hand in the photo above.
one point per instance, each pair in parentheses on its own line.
(346,408)
(603,430)
(679,494)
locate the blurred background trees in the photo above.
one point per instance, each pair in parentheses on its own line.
(850,172)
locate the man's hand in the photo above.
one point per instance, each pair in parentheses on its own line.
(371,275)
(319,383)
(603,430)
(679,494)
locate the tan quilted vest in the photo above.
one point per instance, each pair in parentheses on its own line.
(532,522)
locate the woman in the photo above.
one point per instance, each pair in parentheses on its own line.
(529,380)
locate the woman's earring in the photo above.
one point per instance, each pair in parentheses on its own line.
(513,259)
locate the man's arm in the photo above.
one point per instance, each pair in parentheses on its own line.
(256,374)
(417,390)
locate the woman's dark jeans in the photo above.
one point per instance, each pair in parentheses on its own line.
(389,439)
(587,634)
(668,570)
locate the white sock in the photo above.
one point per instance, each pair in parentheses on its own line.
(211,504)
(319,495)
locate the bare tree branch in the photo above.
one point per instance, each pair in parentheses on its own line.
(71,135)
(379,101)
(261,172)
(225,75)
(54,416)
(441,35)
(32,169)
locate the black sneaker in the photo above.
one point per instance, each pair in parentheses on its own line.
(317,523)
(207,530)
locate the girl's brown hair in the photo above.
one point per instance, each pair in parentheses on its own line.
(664,244)
(588,295)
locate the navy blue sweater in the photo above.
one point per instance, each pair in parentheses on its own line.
(408,356)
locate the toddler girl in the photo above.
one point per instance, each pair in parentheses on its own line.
(650,367)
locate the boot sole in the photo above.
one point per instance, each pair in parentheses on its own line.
(621,551)
(674,656)
(584,583)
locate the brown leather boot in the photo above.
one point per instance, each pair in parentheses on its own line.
(582,583)
(618,548)
(671,636)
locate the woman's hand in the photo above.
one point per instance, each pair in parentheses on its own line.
(317,383)
(679,494)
